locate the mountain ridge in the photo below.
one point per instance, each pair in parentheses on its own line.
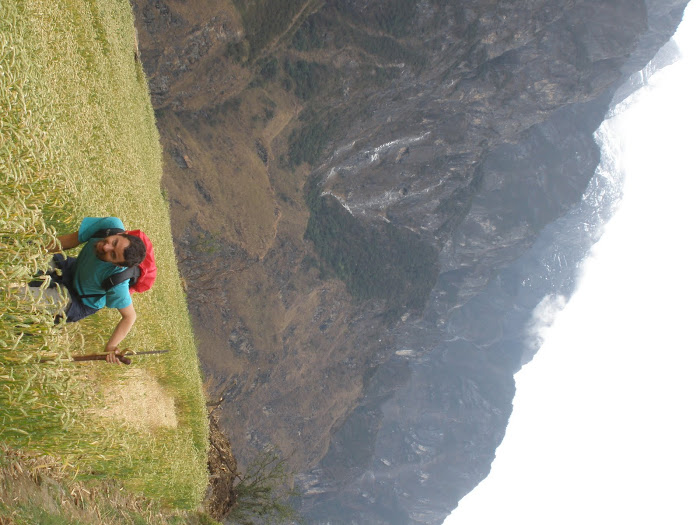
(467,126)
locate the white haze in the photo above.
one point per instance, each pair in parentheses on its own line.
(605,424)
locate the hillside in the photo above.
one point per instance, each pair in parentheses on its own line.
(78,138)
(350,183)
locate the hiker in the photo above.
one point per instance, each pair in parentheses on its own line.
(108,251)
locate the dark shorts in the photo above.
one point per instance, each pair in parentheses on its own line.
(62,275)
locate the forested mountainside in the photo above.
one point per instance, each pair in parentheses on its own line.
(349,181)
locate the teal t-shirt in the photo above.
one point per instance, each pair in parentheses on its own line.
(90,271)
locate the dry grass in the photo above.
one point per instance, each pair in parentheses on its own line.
(78,138)
(38,489)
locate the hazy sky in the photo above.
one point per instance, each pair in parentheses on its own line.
(605,427)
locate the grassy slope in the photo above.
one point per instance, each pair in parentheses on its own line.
(78,138)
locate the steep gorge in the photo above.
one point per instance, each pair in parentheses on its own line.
(349,181)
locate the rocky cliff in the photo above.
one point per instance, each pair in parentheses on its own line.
(354,188)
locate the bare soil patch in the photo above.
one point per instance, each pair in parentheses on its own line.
(139,401)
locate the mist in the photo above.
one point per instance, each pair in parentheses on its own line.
(603,423)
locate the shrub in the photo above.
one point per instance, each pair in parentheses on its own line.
(262,494)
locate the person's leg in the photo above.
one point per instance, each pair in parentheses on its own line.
(61,302)
(55,297)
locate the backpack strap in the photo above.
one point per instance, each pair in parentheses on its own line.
(106,232)
(131,274)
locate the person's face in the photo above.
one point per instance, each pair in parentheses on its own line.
(111,249)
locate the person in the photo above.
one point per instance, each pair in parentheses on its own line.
(104,254)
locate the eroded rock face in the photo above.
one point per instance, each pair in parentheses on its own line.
(460,129)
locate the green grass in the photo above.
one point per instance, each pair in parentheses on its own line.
(78,138)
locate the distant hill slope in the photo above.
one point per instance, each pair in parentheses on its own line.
(308,144)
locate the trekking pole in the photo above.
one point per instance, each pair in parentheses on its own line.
(103,357)
(121,357)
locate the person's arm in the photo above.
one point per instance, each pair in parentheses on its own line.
(127,321)
(65,242)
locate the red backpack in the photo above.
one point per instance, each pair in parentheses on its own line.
(147,270)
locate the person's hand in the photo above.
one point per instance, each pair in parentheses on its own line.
(112,354)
